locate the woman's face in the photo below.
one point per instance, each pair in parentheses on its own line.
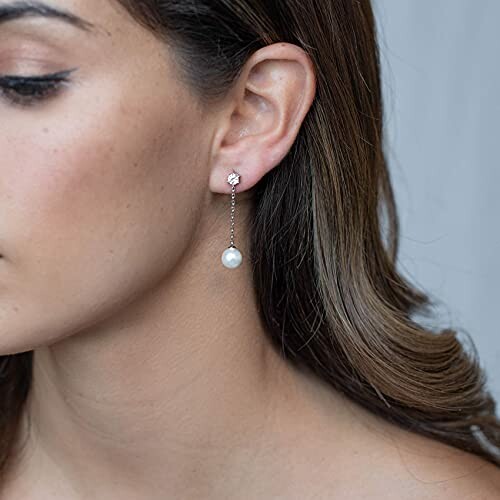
(102,179)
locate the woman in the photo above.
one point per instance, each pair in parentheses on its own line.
(198,300)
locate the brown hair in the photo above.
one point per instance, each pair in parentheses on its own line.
(324,227)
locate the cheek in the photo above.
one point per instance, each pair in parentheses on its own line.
(96,210)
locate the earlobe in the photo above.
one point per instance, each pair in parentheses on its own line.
(271,100)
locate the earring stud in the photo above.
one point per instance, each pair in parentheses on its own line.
(231,257)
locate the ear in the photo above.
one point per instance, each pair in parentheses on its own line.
(265,112)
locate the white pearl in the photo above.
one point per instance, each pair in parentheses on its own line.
(231,257)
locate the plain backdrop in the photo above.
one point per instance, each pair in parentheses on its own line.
(441,71)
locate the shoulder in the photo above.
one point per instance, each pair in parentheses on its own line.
(434,470)
(484,482)
(404,465)
(416,468)
(341,450)
(472,480)
(433,473)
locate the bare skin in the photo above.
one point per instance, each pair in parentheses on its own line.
(153,377)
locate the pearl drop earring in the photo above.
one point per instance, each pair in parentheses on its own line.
(231,257)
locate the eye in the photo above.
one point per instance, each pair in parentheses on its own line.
(29,90)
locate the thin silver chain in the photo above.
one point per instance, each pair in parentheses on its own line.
(233,204)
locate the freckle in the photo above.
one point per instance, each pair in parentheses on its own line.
(128,205)
(45,130)
(162,188)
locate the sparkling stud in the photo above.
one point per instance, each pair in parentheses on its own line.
(233,179)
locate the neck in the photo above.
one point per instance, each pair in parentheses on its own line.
(162,397)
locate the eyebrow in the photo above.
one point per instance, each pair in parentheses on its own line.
(20,9)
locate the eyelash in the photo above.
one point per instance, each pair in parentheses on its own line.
(29,90)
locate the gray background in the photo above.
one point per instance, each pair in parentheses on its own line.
(441,71)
